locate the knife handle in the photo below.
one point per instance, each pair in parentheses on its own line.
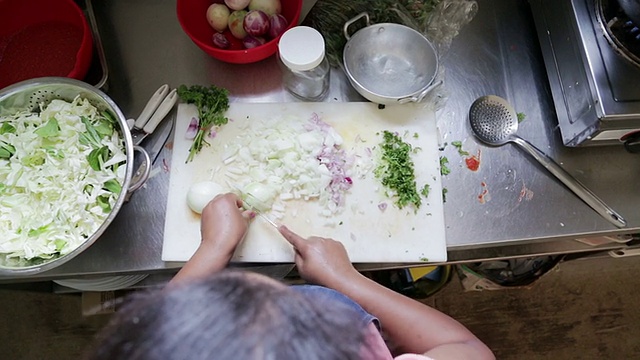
(161,112)
(151,106)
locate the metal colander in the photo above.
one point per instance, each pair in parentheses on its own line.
(30,95)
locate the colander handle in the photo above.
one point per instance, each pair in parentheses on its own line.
(418,98)
(142,174)
(345,29)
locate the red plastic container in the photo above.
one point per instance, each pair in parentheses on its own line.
(43,38)
(192,15)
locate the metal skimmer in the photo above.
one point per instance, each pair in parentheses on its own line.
(495,122)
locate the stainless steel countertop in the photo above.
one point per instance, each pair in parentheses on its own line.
(497,53)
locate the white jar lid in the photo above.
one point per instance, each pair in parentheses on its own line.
(301,48)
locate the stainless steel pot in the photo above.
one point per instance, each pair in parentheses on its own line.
(28,95)
(389,63)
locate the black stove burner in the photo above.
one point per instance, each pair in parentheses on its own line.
(622,33)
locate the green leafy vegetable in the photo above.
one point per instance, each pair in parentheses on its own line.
(458,145)
(50,129)
(97,157)
(396,170)
(103,202)
(59,244)
(521,117)
(444,169)
(6,150)
(7,128)
(112,185)
(212,103)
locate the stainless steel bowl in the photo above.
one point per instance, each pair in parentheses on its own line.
(389,63)
(27,95)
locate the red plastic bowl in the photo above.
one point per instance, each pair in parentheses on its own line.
(192,15)
(43,38)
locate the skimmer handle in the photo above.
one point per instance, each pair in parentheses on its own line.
(574,185)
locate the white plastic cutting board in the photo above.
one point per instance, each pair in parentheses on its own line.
(368,233)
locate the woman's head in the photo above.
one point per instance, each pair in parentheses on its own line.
(234,315)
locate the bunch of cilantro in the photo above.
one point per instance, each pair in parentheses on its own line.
(212,103)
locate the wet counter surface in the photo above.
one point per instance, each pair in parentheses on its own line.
(509,207)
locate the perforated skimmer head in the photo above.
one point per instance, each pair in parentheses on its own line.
(493,119)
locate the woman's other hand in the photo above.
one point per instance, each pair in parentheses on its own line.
(319,260)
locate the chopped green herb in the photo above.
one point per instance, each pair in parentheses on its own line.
(425,190)
(458,145)
(424,259)
(521,117)
(340,223)
(416,135)
(444,170)
(444,195)
(396,170)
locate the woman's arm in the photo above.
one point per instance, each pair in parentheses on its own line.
(223,226)
(413,326)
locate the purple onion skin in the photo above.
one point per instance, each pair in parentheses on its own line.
(221,41)
(250,42)
(256,23)
(277,25)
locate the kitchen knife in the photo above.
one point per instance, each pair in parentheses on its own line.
(145,125)
(159,139)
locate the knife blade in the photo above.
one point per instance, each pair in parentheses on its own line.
(160,137)
(248,206)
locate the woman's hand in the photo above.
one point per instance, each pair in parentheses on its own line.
(224,224)
(320,260)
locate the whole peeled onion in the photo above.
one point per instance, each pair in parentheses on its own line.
(256,23)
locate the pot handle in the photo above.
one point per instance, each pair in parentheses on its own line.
(419,97)
(142,174)
(345,29)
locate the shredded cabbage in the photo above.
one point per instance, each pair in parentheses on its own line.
(60,180)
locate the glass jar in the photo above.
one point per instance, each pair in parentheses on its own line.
(305,69)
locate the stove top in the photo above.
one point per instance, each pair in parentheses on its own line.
(592,57)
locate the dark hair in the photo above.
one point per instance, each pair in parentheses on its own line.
(230,316)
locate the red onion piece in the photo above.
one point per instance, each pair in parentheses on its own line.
(250,42)
(220,41)
(256,23)
(192,130)
(277,25)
